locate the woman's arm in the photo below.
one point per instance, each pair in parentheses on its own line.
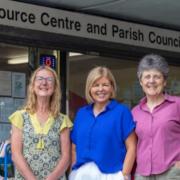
(64,161)
(17,155)
(130,142)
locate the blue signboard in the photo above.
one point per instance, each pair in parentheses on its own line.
(48,60)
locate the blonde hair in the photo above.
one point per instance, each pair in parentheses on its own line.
(95,74)
(55,100)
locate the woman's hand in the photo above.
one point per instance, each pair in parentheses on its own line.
(126,177)
(177,164)
(51,177)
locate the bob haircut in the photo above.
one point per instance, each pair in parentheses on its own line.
(153,61)
(54,104)
(95,74)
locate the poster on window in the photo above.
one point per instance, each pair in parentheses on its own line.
(18,85)
(6,108)
(5,85)
(4,131)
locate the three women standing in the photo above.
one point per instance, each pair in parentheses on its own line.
(103,137)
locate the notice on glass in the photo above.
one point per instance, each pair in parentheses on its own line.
(4,131)
(5,85)
(18,85)
(6,108)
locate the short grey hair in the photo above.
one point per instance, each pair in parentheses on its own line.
(153,61)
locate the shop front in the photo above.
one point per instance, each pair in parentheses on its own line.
(72,44)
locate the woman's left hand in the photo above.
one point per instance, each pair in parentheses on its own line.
(177,164)
(51,177)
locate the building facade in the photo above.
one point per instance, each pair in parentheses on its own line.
(72,43)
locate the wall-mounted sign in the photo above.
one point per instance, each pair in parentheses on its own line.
(28,16)
(48,60)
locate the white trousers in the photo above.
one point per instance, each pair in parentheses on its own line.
(90,171)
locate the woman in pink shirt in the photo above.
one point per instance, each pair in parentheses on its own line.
(157,118)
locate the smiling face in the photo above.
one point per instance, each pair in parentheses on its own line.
(152,82)
(44,83)
(101,90)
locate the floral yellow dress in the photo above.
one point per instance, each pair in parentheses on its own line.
(41,145)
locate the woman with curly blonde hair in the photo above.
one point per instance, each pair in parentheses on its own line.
(55,99)
(40,133)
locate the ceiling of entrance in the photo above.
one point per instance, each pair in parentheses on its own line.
(163,13)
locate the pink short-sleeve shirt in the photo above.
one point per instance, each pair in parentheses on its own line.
(158,135)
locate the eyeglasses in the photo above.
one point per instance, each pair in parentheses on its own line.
(40,79)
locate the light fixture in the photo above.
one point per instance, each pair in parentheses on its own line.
(18,60)
(75,54)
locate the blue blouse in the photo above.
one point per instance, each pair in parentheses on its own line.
(101,139)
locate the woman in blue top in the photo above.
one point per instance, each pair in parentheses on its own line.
(103,137)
